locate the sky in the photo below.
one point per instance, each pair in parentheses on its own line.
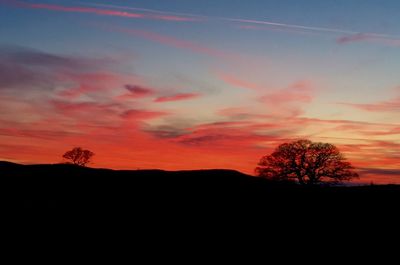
(187,84)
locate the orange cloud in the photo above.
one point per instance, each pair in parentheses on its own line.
(39,129)
(120,140)
(379,175)
(392,131)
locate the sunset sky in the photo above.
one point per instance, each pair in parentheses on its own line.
(190,84)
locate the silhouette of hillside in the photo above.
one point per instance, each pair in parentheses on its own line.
(65,186)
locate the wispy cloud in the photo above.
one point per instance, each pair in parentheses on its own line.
(287,101)
(369,37)
(136,91)
(61,90)
(380,171)
(37,133)
(22,68)
(381,106)
(96,11)
(299,92)
(237,82)
(350,36)
(290,26)
(224,135)
(347,38)
(139,90)
(167,13)
(383,131)
(136,114)
(172,41)
(89,83)
(278,29)
(177,97)
(83,107)
(251,23)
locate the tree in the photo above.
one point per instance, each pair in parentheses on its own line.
(78,156)
(307,162)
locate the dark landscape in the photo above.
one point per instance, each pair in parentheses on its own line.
(71,187)
(248,109)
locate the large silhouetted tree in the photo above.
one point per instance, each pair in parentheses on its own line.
(78,156)
(307,162)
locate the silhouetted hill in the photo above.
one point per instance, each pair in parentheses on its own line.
(64,186)
(6,165)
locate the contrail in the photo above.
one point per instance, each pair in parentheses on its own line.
(83,8)
(319,29)
(252,21)
(293,26)
(144,10)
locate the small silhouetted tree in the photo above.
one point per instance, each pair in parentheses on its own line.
(78,156)
(306,162)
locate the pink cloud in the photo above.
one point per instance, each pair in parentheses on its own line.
(223,124)
(382,106)
(86,109)
(255,121)
(135,91)
(135,114)
(375,153)
(281,102)
(173,18)
(37,133)
(177,97)
(372,38)
(350,122)
(173,42)
(236,82)
(289,101)
(117,137)
(242,113)
(89,83)
(392,131)
(102,113)
(232,111)
(147,10)
(225,136)
(300,92)
(357,127)
(352,38)
(98,11)
(139,90)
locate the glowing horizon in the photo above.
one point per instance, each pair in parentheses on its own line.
(172,85)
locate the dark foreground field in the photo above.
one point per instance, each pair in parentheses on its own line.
(68,187)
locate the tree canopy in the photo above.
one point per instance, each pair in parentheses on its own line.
(78,156)
(306,162)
